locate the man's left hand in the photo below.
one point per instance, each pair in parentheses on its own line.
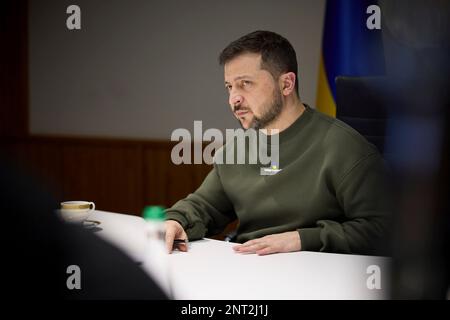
(274,243)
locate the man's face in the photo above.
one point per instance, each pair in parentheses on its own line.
(255,97)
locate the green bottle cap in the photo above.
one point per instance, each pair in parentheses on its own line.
(154,213)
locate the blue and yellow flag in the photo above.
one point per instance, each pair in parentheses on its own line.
(349,48)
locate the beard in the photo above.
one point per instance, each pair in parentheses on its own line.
(270,112)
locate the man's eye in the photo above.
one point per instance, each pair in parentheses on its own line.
(228,87)
(245,83)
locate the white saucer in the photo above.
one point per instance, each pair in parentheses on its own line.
(90,223)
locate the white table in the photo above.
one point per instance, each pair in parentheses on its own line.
(212,270)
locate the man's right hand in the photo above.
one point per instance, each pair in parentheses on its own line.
(174,230)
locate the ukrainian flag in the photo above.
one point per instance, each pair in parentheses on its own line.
(349,48)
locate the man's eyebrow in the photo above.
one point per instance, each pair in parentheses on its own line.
(240,78)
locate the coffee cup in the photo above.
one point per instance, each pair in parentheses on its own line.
(76,211)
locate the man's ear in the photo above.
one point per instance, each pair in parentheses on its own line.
(287,83)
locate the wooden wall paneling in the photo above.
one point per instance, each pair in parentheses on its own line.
(179,182)
(156,166)
(109,175)
(166,183)
(118,175)
(182,179)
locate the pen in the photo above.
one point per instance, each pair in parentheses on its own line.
(178,242)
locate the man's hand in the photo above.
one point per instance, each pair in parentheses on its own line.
(274,243)
(174,230)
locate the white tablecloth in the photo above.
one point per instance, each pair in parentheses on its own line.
(212,270)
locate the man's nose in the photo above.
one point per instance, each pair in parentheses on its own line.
(236,100)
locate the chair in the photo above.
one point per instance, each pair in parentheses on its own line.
(360,104)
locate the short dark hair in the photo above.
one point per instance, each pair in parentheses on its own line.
(277,54)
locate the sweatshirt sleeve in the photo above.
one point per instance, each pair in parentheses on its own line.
(207,211)
(362,193)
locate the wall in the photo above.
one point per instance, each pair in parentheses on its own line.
(118,175)
(140,69)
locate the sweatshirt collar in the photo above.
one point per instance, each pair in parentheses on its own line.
(296,126)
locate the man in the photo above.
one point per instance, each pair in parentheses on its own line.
(328,195)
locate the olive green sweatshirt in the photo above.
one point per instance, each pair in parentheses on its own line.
(331,189)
